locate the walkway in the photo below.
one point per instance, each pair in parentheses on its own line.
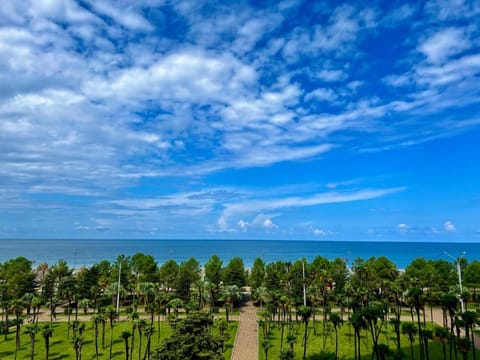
(246,341)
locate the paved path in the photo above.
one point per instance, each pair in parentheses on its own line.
(246,341)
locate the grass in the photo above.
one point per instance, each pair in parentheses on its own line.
(317,343)
(61,347)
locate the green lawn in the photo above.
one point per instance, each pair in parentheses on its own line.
(61,348)
(317,343)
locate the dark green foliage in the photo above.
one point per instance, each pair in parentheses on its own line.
(145,267)
(168,274)
(234,273)
(191,339)
(17,278)
(471,275)
(257,274)
(213,270)
(188,274)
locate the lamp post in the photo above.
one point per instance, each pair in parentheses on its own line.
(118,287)
(304,289)
(459,272)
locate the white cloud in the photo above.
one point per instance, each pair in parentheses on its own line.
(127,16)
(272,204)
(321,232)
(449,226)
(321,94)
(451,9)
(331,75)
(397,15)
(265,221)
(268,223)
(445,44)
(243,225)
(93,101)
(403,228)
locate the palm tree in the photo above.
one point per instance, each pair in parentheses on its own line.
(442,335)
(291,340)
(77,343)
(374,316)
(261,295)
(97,319)
(31,330)
(336,321)
(469,318)
(17,308)
(382,350)
(111,313)
(36,304)
(175,304)
(358,323)
(229,294)
(463,345)
(266,345)
(417,299)
(148,333)
(305,312)
(27,301)
(125,335)
(78,327)
(47,332)
(396,326)
(140,328)
(408,329)
(287,354)
(84,304)
(134,317)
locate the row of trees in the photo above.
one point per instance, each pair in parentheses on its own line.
(371,295)
(300,290)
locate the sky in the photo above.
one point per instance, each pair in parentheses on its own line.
(318,120)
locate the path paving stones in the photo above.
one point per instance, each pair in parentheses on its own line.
(246,341)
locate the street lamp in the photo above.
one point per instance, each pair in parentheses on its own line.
(118,286)
(304,288)
(459,272)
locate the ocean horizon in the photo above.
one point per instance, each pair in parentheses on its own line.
(86,252)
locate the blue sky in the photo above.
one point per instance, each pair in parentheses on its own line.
(249,120)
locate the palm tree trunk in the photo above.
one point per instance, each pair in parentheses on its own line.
(103,334)
(359,347)
(132,344)
(140,344)
(32,347)
(336,342)
(158,329)
(305,341)
(355,345)
(474,351)
(111,341)
(420,340)
(95,325)
(47,348)
(126,349)
(68,321)
(147,350)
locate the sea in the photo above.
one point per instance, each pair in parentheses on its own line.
(80,253)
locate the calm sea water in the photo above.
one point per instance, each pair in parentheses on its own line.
(88,252)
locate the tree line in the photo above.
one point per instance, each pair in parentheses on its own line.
(286,292)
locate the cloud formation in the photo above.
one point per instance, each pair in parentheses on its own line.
(449,226)
(100,99)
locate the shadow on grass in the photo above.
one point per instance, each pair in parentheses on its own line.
(57,356)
